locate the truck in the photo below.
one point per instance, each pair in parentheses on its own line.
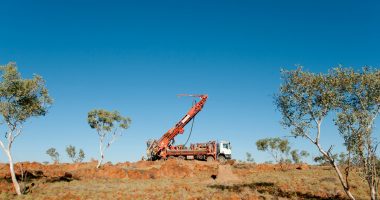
(164,147)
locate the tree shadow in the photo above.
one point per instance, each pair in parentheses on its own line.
(26,176)
(29,180)
(67,177)
(274,190)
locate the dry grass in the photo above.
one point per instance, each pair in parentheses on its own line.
(317,181)
(254,182)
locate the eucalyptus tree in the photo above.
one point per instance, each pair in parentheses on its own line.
(249,157)
(81,156)
(305,99)
(359,108)
(277,147)
(298,156)
(20,99)
(108,125)
(54,155)
(72,153)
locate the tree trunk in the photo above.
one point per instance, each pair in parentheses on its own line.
(373,190)
(373,193)
(101,154)
(332,162)
(346,189)
(12,171)
(100,160)
(337,170)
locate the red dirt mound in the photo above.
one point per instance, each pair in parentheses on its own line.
(143,174)
(175,169)
(169,168)
(125,164)
(144,164)
(104,172)
(226,176)
(57,171)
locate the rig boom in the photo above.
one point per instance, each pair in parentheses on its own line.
(156,148)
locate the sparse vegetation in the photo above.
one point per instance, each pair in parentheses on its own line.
(298,157)
(343,159)
(72,153)
(108,125)
(249,157)
(54,155)
(20,99)
(321,160)
(359,106)
(277,147)
(181,180)
(306,99)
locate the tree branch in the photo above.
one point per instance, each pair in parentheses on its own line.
(308,137)
(114,136)
(18,132)
(2,146)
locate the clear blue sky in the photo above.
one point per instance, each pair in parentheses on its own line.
(135,56)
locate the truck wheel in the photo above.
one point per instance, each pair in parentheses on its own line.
(210,159)
(181,158)
(171,157)
(222,159)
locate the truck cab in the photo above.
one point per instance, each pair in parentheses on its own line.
(224,150)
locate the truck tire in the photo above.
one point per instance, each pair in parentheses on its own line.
(222,159)
(181,158)
(171,158)
(210,159)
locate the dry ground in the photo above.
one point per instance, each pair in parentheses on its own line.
(176,179)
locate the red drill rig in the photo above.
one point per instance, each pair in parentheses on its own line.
(164,147)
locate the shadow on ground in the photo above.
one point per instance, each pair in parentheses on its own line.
(272,189)
(28,180)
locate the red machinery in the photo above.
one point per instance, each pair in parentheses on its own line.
(162,148)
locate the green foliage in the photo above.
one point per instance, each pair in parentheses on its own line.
(320,160)
(21,98)
(297,157)
(304,154)
(249,157)
(359,107)
(109,125)
(72,153)
(104,121)
(81,156)
(305,98)
(277,147)
(54,155)
(342,159)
